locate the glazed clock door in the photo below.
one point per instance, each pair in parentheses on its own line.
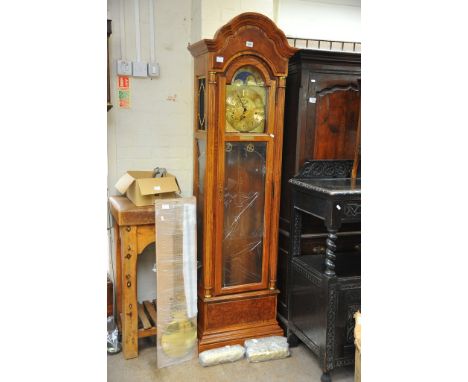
(246,124)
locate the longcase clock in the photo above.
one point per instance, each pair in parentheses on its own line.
(240,78)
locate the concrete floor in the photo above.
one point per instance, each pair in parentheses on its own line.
(301,366)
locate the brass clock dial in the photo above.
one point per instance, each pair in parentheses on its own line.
(245,109)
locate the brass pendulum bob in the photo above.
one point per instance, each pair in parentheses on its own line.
(179,337)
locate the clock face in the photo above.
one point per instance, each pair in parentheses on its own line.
(245,109)
(245,102)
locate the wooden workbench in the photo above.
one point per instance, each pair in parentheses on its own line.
(133,232)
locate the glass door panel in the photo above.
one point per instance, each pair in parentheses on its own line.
(244,204)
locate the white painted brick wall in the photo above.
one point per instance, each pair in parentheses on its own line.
(216,13)
(321,20)
(155,131)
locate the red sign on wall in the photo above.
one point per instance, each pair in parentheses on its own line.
(124,91)
(123,82)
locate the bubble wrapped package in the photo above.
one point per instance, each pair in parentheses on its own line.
(266,349)
(225,354)
(176,280)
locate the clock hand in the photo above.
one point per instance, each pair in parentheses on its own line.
(242,103)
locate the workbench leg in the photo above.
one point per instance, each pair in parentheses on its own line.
(129,255)
(118,272)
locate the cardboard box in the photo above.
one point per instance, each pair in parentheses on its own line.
(142,189)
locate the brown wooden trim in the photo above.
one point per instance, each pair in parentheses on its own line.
(146,235)
(247,19)
(129,292)
(219,197)
(244,287)
(118,270)
(147,332)
(277,188)
(200,134)
(247,137)
(151,311)
(209,239)
(142,317)
(238,61)
(126,213)
(240,296)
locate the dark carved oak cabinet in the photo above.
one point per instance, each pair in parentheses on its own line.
(240,79)
(324,291)
(321,117)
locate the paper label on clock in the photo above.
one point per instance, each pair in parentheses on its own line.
(249,44)
(165,206)
(157,188)
(219,59)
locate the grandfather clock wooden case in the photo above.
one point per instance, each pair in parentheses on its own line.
(239,84)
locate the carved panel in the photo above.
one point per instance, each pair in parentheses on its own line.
(351,209)
(353,308)
(315,280)
(331,318)
(296,238)
(212,77)
(353,295)
(326,169)
(344,362)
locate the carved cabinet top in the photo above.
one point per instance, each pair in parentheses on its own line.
(344,186)
(329,177)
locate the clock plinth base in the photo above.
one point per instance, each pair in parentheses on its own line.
(232,319)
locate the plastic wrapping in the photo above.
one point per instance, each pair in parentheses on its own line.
(176,265)
(229,353)
(113,345)
(266,349)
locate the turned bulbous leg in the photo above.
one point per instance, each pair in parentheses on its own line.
(325,377)
(330,253)
(293,341)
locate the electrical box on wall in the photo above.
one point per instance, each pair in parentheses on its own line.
(140,69)
(124,68)
(153,69)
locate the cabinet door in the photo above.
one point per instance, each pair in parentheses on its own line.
(245,167)
(332,114)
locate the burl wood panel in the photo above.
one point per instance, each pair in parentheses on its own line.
(233,313)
